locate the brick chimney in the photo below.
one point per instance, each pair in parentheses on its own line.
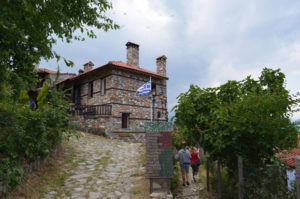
(80,71)
(161,64)
(132,54)
(88,66)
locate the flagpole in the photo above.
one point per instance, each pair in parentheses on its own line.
(151,101)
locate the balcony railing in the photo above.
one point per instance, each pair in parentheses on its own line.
(90,109)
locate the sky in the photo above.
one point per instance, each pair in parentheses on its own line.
(207,42)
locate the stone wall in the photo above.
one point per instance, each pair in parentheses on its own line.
(159,155)
(120,92)
(161,63)
(132,54)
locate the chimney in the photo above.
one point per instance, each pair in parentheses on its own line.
(80,71)
(88,66)
(161,64)
(132,54)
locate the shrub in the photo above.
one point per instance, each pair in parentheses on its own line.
(42,98)
(24,98)
(27,136)
(268,181)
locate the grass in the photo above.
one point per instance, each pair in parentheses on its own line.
(104,161)
(141,184)
(50,171)
(136,190)
(202,177)
(60,180)
(142,159)
(141,189)
(135,174)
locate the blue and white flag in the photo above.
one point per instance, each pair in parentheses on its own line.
(145,89)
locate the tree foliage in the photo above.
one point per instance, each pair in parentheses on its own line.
(30,28)
(28,135)
(42,98)
(250,118)
(24,98)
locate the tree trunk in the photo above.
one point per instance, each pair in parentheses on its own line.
(240,167)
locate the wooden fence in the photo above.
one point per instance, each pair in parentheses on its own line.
(240,177)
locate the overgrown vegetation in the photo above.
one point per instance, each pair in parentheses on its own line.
(28,135)
(250,118)
(28,31)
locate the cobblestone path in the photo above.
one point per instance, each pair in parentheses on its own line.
(100,168)
(191,191)
(196,190)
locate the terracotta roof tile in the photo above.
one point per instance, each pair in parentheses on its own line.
(289,156)
(118,64)
(46,70)
(122,64)
(53,72)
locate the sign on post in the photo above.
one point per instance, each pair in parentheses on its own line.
(159,154)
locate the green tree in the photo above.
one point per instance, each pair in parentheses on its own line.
(30,28)
(42,98)
(24,98)
(250,118)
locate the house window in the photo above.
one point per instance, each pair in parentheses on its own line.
(158,114)
(90,89)
(103,86)
(76,94)
(153,88)
(125,117)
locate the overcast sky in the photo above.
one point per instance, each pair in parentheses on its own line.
(207,42)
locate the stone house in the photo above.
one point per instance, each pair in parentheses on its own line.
(105,99)
(288,157)
(46,74)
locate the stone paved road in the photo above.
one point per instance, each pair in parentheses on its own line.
(196,190)
(190,192)
(100,168)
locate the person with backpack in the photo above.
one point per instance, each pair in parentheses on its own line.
(184,157)
(195,162)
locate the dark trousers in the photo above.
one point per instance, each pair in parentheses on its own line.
(195,168)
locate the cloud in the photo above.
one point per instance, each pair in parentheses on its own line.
(206,42)
(145,22)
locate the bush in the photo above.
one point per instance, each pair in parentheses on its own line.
(267,182)
(24,98)
(27,136)
(264,182)
(176,174)
(42,98)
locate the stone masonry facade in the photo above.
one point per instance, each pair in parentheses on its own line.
(115,85)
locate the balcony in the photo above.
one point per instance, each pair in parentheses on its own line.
(90,110)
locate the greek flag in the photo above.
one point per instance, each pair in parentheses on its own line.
(145,89)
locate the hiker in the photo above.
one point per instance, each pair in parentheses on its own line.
(32,104)
(185,162)
(195,162)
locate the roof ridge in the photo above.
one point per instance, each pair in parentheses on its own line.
(119,64)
